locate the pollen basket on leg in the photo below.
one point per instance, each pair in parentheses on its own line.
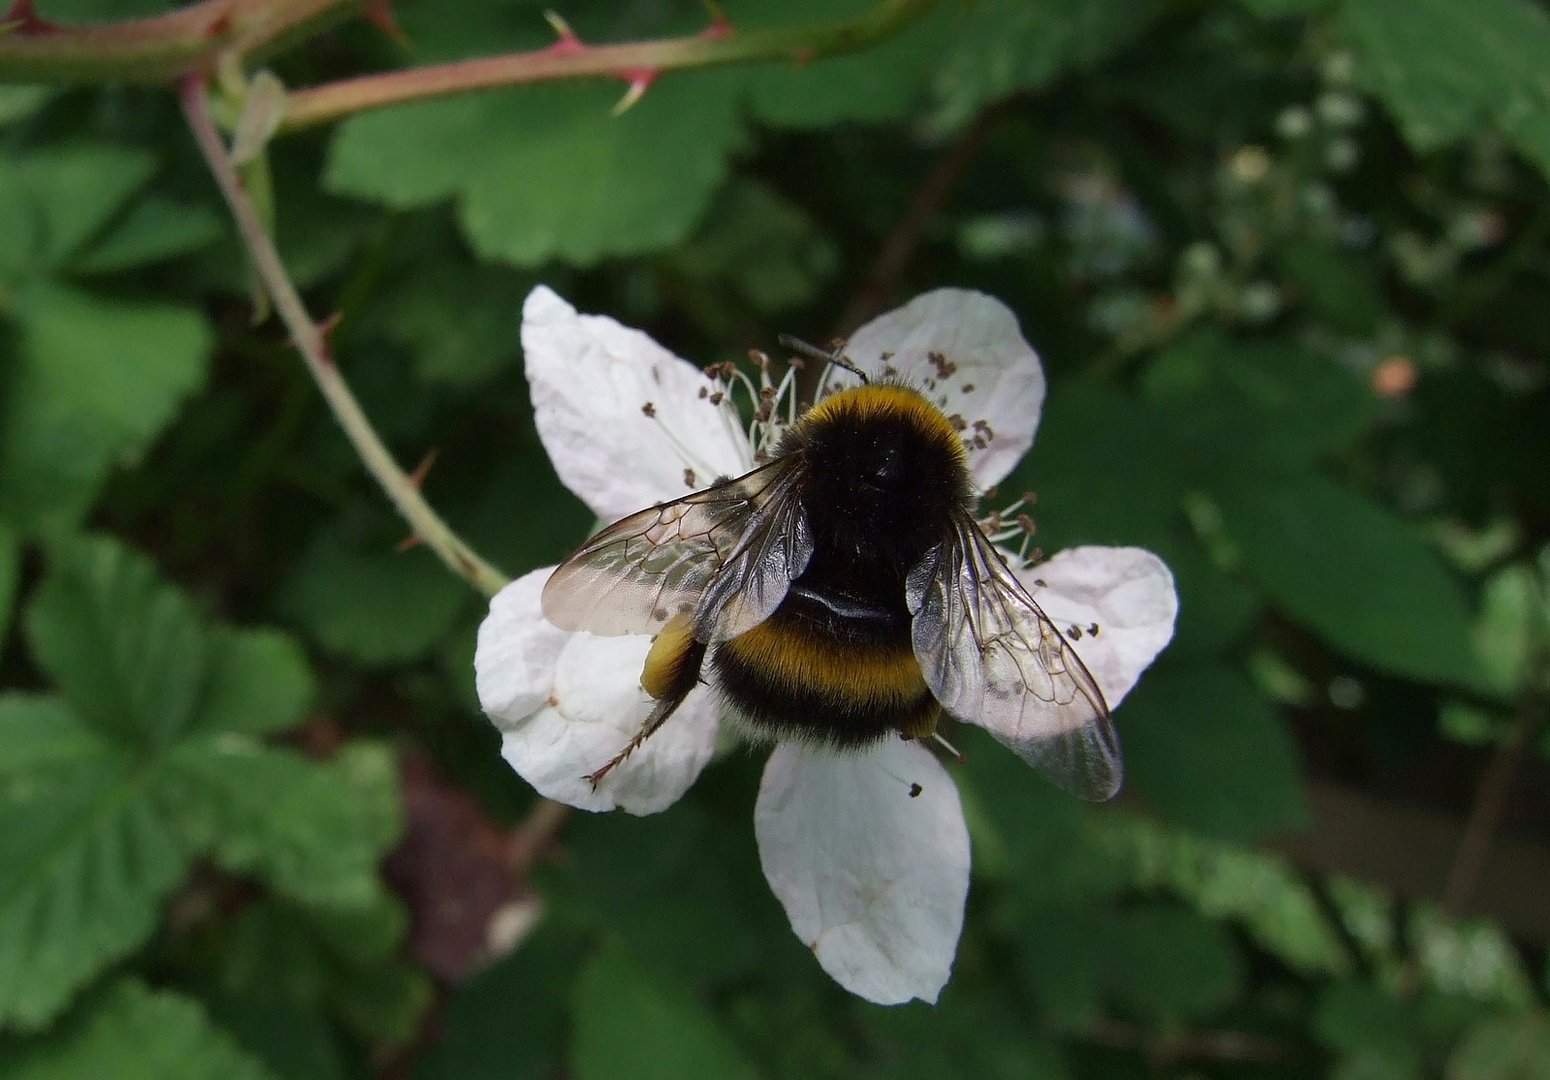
(666,658)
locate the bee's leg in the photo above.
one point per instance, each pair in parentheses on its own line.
(672,670)
(658,716)
(921,724)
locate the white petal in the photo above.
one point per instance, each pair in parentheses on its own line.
(592,380)
(518,649)
(1127,592)
(996,377)
(869,855)
(567,703)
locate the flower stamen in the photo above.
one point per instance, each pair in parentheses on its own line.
(1013,523)
(694,465)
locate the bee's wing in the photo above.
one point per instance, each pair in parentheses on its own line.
(991,657)
(727,554)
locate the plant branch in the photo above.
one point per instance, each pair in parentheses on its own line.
(534,836)
(1166,1052)
(569,58)
(154,50)
(311,341)
(1491,797)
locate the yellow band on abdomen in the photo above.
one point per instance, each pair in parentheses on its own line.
(824,665)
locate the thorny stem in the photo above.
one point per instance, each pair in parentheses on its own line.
(570,59)
(158,49)
(532,837)
(311,342)
(192,40)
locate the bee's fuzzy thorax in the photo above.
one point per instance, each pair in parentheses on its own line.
(884,473)
(888,406)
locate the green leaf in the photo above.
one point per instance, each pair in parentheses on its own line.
(1170,963)
(545,172)
(1257,399)
(1006,47)
(459,319)
(314,830)
(259,681)
(969,1033)
(1047,846)
(1514,614)
(377,607)
(1217,609)
(291,1042)
(1368,1065)
(758,246)
(1105,467)
(880,83)
(386,1003)
(342,962)
(483,1038)
(1445,68)
(1204,746)
(630,873)
(127,649)
(1336,284)
(55,199)
(93,383)
(20,102)
(1270,9)
(85,861)
(1352,573)
(1505,1048)
(10,575)
(1061,959)
(1364,1021)
(155,229)
(41,735)
(627,1025)
(101,812)
(129,1032)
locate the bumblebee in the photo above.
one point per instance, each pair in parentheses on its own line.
(843,593)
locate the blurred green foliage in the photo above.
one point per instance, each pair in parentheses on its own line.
(1288,262)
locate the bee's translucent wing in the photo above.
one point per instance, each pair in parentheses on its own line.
(727,554)
(991,657)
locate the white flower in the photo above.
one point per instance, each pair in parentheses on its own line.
(868,852)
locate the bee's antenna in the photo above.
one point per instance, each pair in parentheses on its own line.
(835,356)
